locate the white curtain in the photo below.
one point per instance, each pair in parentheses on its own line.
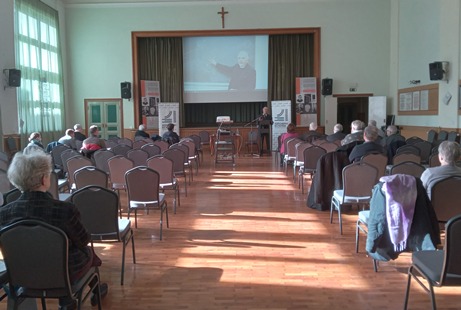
(38,56)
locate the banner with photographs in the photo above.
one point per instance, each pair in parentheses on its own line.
(306,101)
(150,98)
(281,115)
(168,112)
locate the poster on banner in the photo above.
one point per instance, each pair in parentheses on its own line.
(306,101)
(150,98)
(168,112)
(281,115)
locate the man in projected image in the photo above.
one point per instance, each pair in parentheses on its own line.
(242,76)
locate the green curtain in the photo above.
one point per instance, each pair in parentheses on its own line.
(290,56)
(38,56)
(160,59)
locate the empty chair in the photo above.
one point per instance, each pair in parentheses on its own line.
(125,141)
(90,175)
(144,193)
(177,156)
(65,155)
(187,163)
(358,181)
(36,258)
(290,152)
(164,167)
(192,155)
(98,208)
(252,144)
(101,157)
(118,166)
(408,167)
(138,156)
(438,268)
(12,146)
(311,157)
(198,146)
(56,155)
(408,148)
(204,137)
(413,140)
(453,136)
(151,149)
(329,146)
(73,164)
(432,136)
(54,188)
(299,157)
(121,149)
(424,150)
(401,157)
(446,197)
(377,160)
(111,143)
(442,136)
(163,145)
(5,184)
(137,144)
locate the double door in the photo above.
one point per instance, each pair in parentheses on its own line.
(107,114)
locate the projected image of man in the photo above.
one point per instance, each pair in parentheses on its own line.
(242,76)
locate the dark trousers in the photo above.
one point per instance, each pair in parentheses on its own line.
(264,136)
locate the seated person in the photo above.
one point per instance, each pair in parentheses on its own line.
(370,135)
(141,133)
(93,142)
(30,173)
(170,136)
(35,138)
(337,134)
(449,153)
(78,134)
(391,136)
(356,134)
(312,134)
(68,139)
(290,134)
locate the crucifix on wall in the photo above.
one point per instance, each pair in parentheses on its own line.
(222,13)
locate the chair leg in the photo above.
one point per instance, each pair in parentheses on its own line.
(122,276)
(357,235)
(375,265)
(340,220)
(407,293)
(132,246)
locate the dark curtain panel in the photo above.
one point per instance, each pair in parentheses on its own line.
(290,56)
(160,59)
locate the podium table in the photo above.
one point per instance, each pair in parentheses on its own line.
(236,139)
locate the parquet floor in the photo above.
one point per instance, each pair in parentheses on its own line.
(244,239)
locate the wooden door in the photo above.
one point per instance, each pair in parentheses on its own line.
(107,114)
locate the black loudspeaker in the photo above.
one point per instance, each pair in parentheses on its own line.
(436,71)
(14,77)
(327,87)
(125,88)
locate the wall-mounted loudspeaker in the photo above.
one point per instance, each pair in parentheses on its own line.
(14,77)
(327,87)
(125,88)
(438,70)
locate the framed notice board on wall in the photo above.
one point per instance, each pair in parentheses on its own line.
(419,100)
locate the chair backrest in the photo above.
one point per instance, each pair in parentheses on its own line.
(75,163)
(453,136)
(121,149)
(425,148)
(142,184)
(408,167)
(4,165)
(36,258)
(4,156)
(329,146)
(5,184)
(12,146)
(151,149)
(125,141)
(118,166)
(452,249)
(291,147)
(311,157)
(432,136)
(98,208)
(56,155)
(191,147)
(204,137)
(11,195)
(408,148)
(89,175)
(197,140)
(319,140)
(138,156)
(446,197)
(434,160)
(101,157)
(137,144)
(401,157)
(359,179)
(54,186)
(177,156)
(163,145)
(183,148)
(253,137)
(65,155)
(443,135)
(377,160)
(164,167)
(110,144)
(299,150)
(413,140)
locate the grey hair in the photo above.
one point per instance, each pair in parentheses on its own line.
(449,151)
(27,169)
(141,127)
(77,127)
(338,128)
(372,122)
(370,133)
(356,125)
(392,129)
(313,126)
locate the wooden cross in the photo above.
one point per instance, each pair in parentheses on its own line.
(222,13)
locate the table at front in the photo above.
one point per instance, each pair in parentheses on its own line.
(237,139)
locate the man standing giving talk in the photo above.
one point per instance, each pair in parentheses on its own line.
(264,123)
(242,76)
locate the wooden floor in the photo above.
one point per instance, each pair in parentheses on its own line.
(244,239)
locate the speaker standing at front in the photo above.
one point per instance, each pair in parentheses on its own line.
(327,87)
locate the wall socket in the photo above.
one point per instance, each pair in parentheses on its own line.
(352,89)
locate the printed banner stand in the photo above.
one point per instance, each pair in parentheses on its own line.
(168,112)
(150,98)
(281,115)
(306,101)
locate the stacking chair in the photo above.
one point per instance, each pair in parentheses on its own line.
(101,157)
(192,154)
(164,167)
(56,156)
(252,143)
(409,148)
(111,143)
(143,186)
(438,268)
(432,136)
(408,167)
(204,137)
(442,136)
(329,146)
(65,155)
(73,164)
(121,149)
(446,197)
(290,155)
(151,149)
(137,144)
(402,157)
(311,157)
(358,181)
(12,146)
(55,186)
(187,162)
(453,136)
(118,166)
(98,208)
(163,145)
(377,160)
(424,150)
(5,184)
(138,156)
(36,259)
(177,156)
(434,160)
(125,141)
(299,157)
(413,140)
(90,175)
(198,146)
(11,195)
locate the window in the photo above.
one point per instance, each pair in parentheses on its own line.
(38,56)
